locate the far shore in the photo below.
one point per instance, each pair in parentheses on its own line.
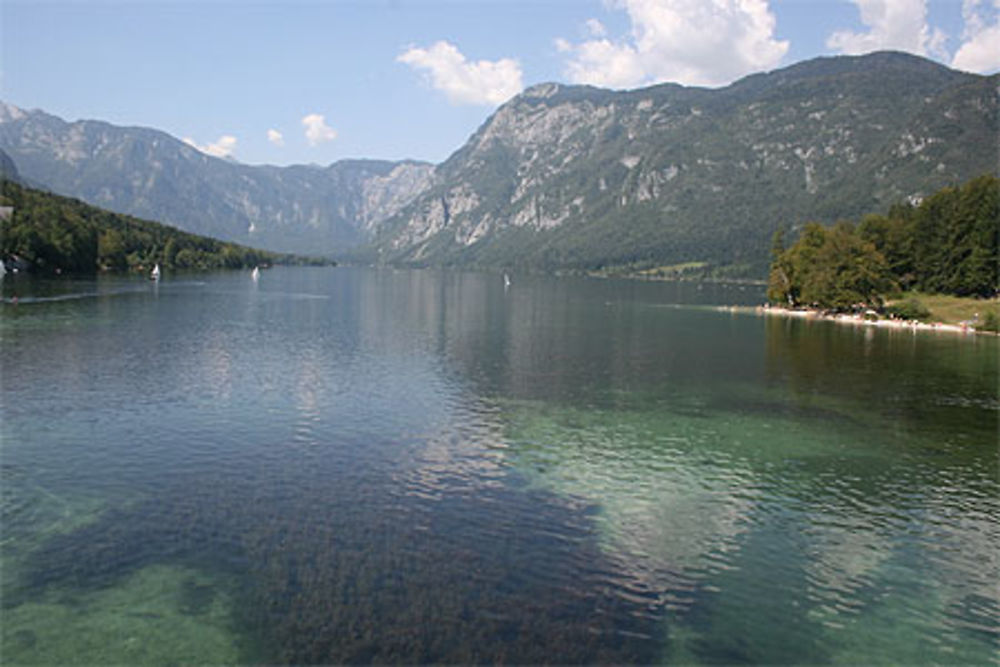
(857,319)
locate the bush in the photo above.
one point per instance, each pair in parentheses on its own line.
(990,322)
(911,309)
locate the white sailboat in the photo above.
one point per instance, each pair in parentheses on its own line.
(155,273)
(255,274)
(506,281)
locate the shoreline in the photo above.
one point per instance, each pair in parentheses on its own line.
(858,320)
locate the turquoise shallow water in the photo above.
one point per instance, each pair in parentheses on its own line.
(339,465)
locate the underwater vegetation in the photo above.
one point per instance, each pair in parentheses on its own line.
(157,615)
(314,574)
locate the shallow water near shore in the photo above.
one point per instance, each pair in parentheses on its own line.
(350,466)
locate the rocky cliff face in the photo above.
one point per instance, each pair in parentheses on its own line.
(582,177)
(569,176)
(150,174)
(8,170)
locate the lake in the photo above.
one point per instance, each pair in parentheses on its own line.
(350,465)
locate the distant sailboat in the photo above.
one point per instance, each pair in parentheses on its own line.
(506,281)
(255,274)
(155,273)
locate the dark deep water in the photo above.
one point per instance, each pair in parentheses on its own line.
(340,465)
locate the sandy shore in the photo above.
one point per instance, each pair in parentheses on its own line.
(857,320)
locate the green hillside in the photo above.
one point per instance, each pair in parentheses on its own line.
(54,234)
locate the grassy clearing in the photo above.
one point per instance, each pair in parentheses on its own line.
(953,309)
(645,270)
(689,271)
(672,270)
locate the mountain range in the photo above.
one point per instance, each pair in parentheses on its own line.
(150,174)
(568,177)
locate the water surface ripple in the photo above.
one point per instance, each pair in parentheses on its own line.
(354,466)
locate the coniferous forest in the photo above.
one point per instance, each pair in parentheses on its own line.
(946,244)
(54,234)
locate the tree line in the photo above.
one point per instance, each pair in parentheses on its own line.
(59,234)
(946,244)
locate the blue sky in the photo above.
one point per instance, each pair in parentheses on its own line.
(313,82)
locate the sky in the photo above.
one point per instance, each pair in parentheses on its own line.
(312,82)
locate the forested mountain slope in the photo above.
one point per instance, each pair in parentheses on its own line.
(150,174)
(48,233)
(579,177)
(569,177)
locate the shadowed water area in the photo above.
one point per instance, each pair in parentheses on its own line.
(354,466)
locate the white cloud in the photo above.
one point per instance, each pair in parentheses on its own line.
(224,146)
(602,63)
(899,25)
(276,138)
(464,82)
(694,42)
(595,28)
(317,131)
(980,49)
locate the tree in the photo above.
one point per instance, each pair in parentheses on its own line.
(111,250)
(950,243)
(830,268)
(854,272)
(798,264)
(971,253)
(890,236)
(779,280)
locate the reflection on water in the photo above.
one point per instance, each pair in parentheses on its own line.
(335,466)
